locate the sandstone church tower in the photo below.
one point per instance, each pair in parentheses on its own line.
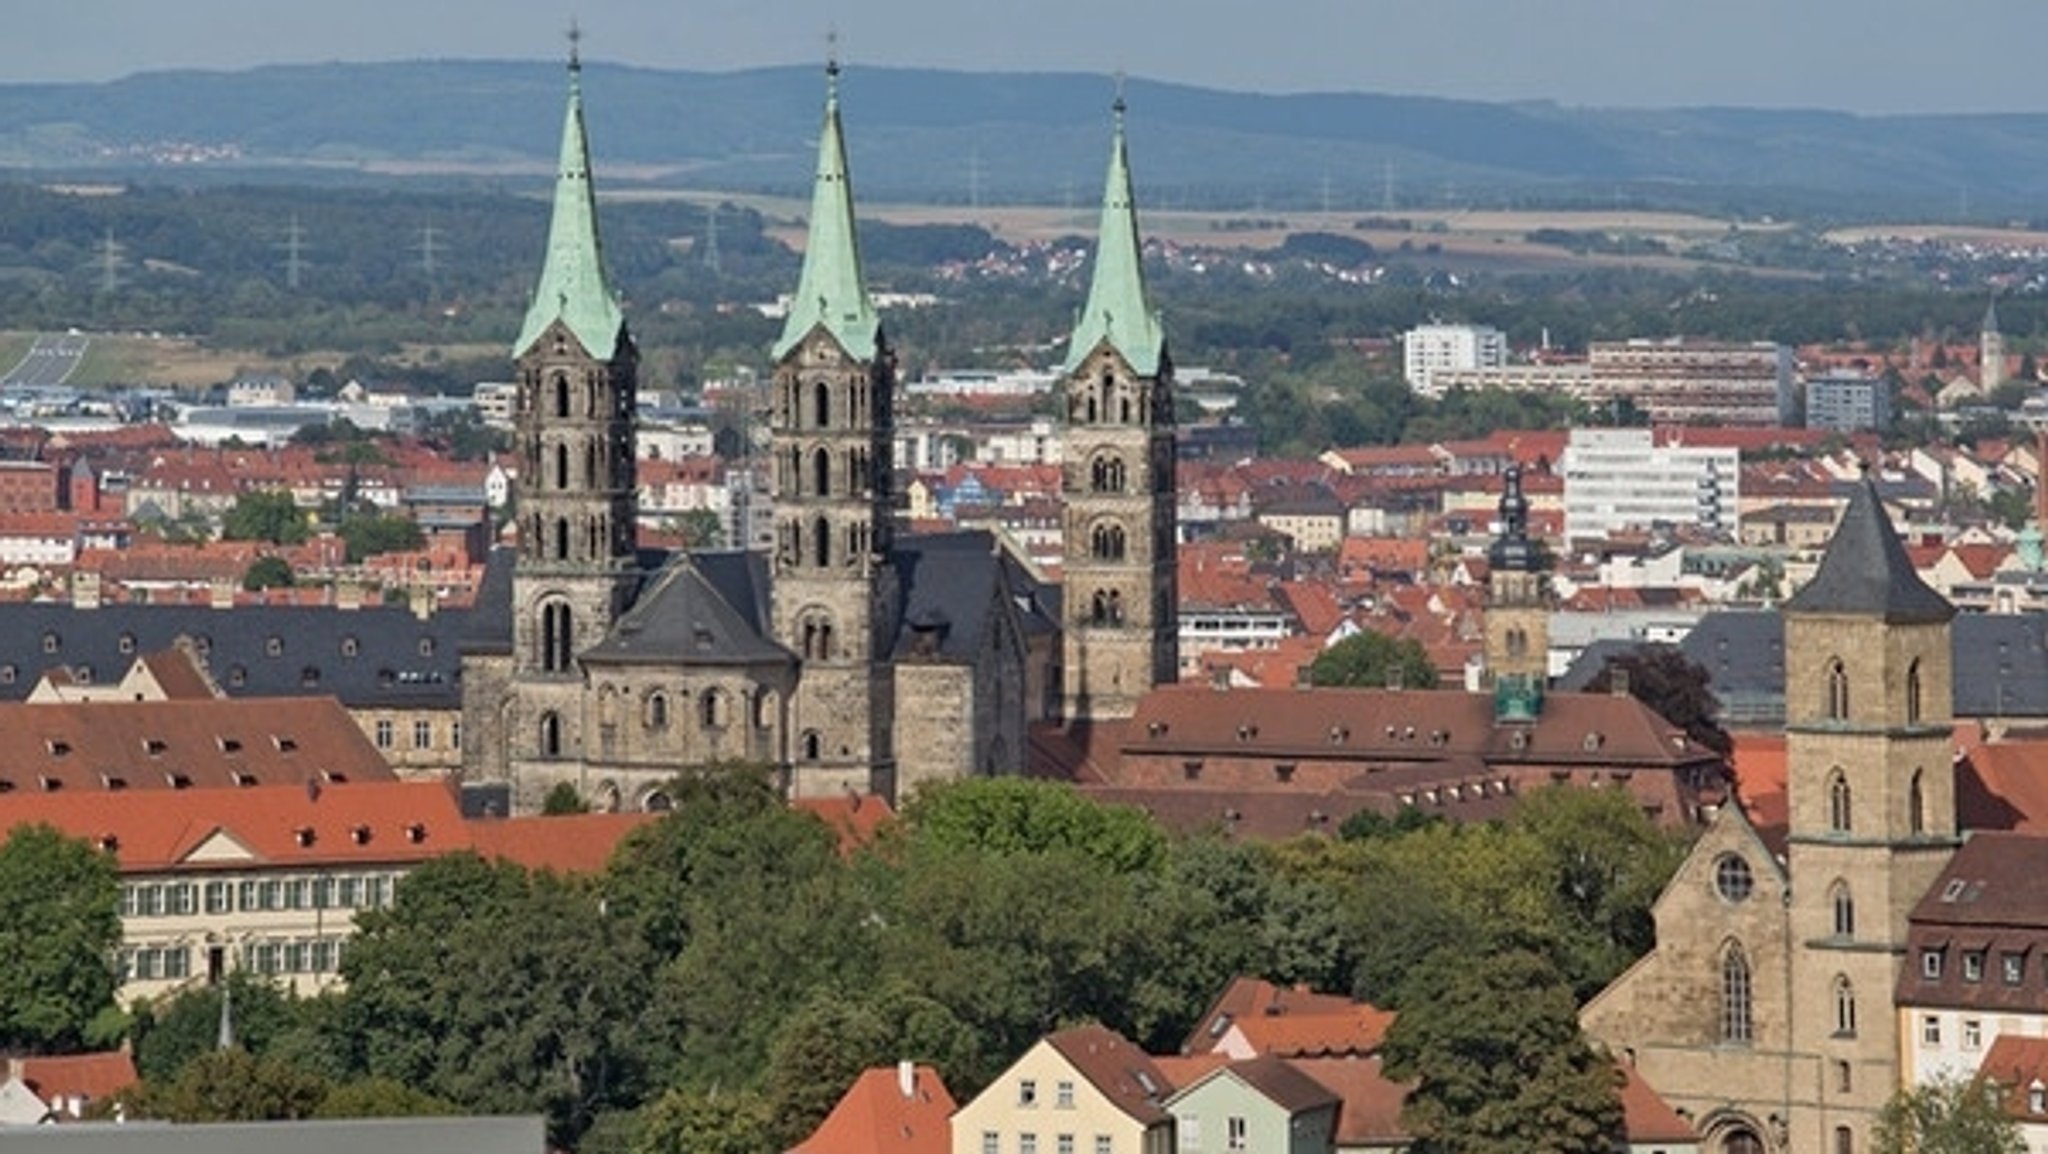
(1517,611)
(832,425)
(1990,351)
(1119,629)
(575,571)
(1868,731)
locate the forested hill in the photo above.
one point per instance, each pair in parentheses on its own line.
(952,136)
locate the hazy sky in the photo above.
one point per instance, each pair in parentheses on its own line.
(1861,55)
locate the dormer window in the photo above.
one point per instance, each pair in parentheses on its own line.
(154,746)
(350,647)
(273,647)
(52,643)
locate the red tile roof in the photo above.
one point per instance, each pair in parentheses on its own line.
(93,1077)
(856,817)
(2018,1064)
(1118,1069)
(1371,1114)
(876,1116)
(279,825)
(577,843)
(2003,785)
(1355,1031)
(1248,997)
(1647,1117)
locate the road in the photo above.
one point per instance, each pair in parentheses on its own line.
(50,361)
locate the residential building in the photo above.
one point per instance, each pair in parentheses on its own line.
(40,1090)
(1976,964)
(1263,1103)
(1429,349)
(900,1109)
(1624,478)
(1087,1090)
(1682,382)
(1848,401)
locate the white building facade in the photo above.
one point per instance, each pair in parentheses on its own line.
(1427,349)
(1616,479)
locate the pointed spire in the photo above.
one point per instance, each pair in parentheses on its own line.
(831,291)
(572,285)
(1119,310)
(1866,572)
(1991,314)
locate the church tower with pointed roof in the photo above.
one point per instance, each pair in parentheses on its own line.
(576,569)
(1517,610)
(832,425)
(1871,789)
(1119,627)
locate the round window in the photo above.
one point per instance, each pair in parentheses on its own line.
(1732,878)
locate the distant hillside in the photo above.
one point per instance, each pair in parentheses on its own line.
(949,136)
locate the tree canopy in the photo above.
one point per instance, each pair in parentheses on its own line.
(60,928)
(1675,686)
(1951,1116)
(1373,660)
(265,515)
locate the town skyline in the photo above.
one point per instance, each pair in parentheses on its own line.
(1575,52)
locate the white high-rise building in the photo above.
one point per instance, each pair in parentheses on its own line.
(1621,478)
(1429,348)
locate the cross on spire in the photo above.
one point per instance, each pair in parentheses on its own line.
(575,46)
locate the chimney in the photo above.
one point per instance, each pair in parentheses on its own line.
(906,1078)
(85,589)
(420,597)
(1617,681)
(348,593)
(222,593)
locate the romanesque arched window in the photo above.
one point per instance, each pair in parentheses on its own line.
(1845,1006)
(1916,807)
(1107,387)
(1107,542)
(1106,474)
(561,538)
(821,534)
(817,636)
(1116,607)
(557,637)
(1841,819)
(1838,691)
(821,473)
(812,745)
(657,710)
(1098,608)
(561,466)
(550,734)
(590,464)
(712,709)
(1736,1006)
(1913,701)
(561,395)
(821,407)
(1518,642)
(1844,904)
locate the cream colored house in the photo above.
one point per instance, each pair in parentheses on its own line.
(1086,1090)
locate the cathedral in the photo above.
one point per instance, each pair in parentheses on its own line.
(1766,1012)
(855,656)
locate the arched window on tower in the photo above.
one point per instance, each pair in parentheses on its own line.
(1845,1006)
(561,538)
(1116,607)
(1844,904)
(561,395)
(1107,389)
(1518,642)
(812,745)
(550,734)
(821,406)
(1916,807)
(712,709)
(1107,543)
(1913,693)
(561,466)
(590,464)
(1106,474)
(821,533)
(821,473)
(1841,819)
(1736,1006)
(557,637)
(657,710)
(1098,608)
(1838,691)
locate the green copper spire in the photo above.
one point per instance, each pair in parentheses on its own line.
(831,292)
(1118,310)
(572,287)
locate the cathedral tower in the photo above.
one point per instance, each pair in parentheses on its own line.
(1990,351)
(1517,610)
(576,369)
(1868,723)
(833,428)
(1119,630)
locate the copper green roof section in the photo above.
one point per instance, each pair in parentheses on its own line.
(831,292)
(572,285)
(1118,310)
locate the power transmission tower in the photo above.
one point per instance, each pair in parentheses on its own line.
(429,248)
(294,254)
(712,260)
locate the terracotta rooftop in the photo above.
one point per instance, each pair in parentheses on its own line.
(1248,997)
(101,747)
(1118,1069)
(878,1116)
(1371,1113)
(576,843)
(93,1077)
(2019,1064)
(856,817)
(1647,1117)
(1993,880)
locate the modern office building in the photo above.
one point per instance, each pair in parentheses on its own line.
(1428,349)
(1623,478)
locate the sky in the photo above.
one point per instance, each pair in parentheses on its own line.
(1871,56)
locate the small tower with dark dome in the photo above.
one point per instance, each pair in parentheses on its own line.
(1517,610)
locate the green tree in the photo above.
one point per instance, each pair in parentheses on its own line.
(1675,686)
(269,572)
(265,515)
(1373,660)
(1006,815)
(834,1037)
(687,1120)
(700,529)
(430,980)
(1952,1116)
(60,925)
(368,534)
(381,1098)
(235,1086)
(171,1033)
(1493,1046)
(563,799)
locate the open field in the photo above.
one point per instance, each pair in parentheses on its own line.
(1955,233)
(180,362)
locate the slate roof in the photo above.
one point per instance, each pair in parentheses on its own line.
(703,609)
(2000,663)
(1866,572)
(367,657)
(953,584)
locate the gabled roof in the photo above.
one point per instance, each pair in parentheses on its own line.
(1248,997)
(285,826)
(1646,1117)
(1994,879)
(2019,1064)
(832,292)
(572,286)
(1866,572)
(573,843)
(1119,312)
(876,1116)
(1275,1079)
(686,616)
(94,1077)
(1118,1069)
